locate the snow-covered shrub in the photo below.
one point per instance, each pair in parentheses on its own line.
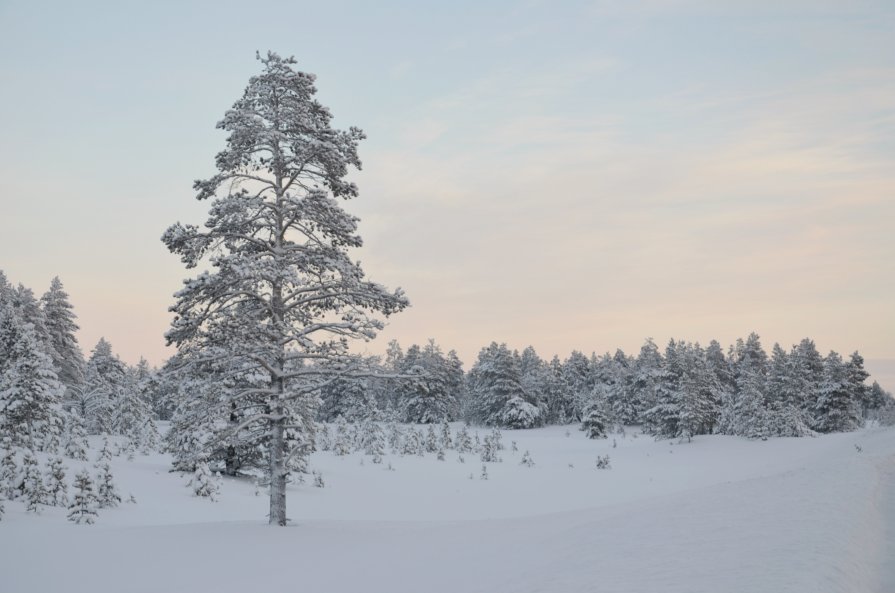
(603,462)
(527,461)
(203,483)
(518,413)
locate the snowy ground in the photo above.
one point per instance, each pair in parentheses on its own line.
(720,514)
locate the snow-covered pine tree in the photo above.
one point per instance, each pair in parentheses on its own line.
(282,290)
(373,440)
(723,383)
(431,395)
(74,440)
(394,436)
(29,311)
(9,471)
(556,393)
(579,377)
(783,397)
(347,397)
(130,414)
(412,443)
(84,502)
(32,488)
(595,424)
(431,440)
(445,440)
(342,440)
(838,406)
(533,378)
(55,485)
(462,441)
(620,402)
(745,412)
(491,447)
(807,373)
(646,378)
(61,327)
(106,381)
(700,402)
(877,400)
(663,419)
(857,377)
(495,391)
(107,492)
(30,393)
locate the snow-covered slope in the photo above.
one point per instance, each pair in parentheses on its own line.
(718,514)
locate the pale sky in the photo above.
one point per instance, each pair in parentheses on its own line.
(571,175)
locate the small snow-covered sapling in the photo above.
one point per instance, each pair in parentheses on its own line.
(83,505)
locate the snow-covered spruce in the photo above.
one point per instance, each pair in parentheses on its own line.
(495,391)
(31,487)
(55,484)
(105,453)
(433,393)
(594,423)
(603,462)
(74,440)
(107,492)
(9,472)
(527,461)
(446,441)
(462,441)
(84,502)
(342,440)
(30,392)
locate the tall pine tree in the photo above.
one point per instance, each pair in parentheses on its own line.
(282,291)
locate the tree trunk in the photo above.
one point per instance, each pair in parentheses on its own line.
(277,474)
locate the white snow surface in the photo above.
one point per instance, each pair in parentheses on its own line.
(720,514)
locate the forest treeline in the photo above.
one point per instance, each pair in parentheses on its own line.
(50,395)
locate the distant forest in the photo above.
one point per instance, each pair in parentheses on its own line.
(47,387)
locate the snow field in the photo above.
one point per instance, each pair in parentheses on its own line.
(718,514)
